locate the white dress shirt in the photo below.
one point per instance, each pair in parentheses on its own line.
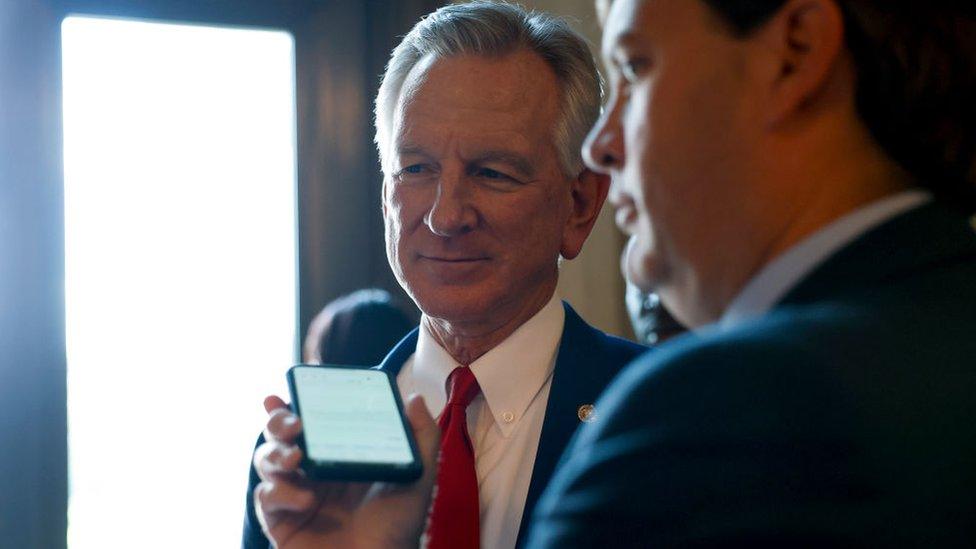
(505,420)
(780,275)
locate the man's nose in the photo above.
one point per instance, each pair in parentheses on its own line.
(603,149)
(452,212)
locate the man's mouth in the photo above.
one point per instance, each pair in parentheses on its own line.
(624,217)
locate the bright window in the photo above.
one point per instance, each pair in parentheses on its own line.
(180,272)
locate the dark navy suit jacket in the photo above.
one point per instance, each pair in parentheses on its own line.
(845,417)
(586,361)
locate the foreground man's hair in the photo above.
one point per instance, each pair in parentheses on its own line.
(916,82)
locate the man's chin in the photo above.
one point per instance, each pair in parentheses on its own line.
(454,305)
(645,283)
(641,267)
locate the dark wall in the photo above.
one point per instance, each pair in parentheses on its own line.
(341,226)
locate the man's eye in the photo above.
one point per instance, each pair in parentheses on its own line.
(495,179)
(413,170)
(633,69)
(489,173)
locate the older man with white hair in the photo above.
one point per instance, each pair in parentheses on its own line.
(480,119)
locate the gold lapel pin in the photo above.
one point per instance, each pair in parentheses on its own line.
(586,413)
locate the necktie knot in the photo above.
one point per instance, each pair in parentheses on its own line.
(462,387)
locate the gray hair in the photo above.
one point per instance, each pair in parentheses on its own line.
(496,29)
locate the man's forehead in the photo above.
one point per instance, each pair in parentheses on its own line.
(625,19)
(415,79)
(480,98)
(430,116)
(419,140)
(621,19)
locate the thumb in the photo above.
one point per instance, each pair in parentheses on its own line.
(426,431)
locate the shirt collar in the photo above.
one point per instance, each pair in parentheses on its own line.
(510,375)
(780,275)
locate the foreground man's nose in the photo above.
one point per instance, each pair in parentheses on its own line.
(603,149)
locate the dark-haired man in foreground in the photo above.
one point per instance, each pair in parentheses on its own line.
(796,175)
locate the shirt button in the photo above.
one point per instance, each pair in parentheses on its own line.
(508,417)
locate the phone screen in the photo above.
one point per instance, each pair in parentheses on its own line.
(350,415)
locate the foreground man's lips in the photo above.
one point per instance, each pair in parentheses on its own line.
(624,217)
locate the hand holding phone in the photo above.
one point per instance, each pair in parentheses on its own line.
(296,511)
(353,425)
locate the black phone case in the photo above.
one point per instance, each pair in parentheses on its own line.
(357,472)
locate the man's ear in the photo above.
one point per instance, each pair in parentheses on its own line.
(589,192)
(383,198)
(806,39)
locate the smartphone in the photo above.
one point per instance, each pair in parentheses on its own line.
(353,428)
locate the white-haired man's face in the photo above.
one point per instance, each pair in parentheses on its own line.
(476,206)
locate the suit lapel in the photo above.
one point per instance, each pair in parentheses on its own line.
(400,353)
(576,379)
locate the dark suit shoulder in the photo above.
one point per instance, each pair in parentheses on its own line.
(619,350)
(813,424)
(713,370)
(584,343)
(690,438)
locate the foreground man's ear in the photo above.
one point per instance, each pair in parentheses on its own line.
(589,192)
(806,40)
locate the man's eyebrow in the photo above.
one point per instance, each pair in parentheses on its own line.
(515,160)
(618,41)
(410,149)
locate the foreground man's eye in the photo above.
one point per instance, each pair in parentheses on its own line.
(632,69)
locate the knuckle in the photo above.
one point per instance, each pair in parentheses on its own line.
(267,464)
(260,456)
(305,499)
(282,424)
(263,494)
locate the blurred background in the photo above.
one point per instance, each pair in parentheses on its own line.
(183,186)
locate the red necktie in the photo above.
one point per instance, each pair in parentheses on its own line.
(455,519)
